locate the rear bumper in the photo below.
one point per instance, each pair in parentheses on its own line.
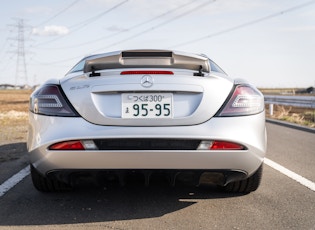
(248,131)
(148,176)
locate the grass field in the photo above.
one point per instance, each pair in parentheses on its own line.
(13,123)
(13,115)
(300,116)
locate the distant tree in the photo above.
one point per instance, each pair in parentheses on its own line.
(310,89)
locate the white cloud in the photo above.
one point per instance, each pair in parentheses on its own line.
(51,31)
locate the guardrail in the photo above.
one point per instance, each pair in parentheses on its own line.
(297,101)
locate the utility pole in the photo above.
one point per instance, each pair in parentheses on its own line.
(20,71)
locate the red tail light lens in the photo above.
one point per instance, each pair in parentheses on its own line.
(153,72)
(245,100)
(68,145)
(49,100)
(220,145)
(74,145)
(224,145)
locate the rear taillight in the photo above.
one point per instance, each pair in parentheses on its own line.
(245,100)
(153,72)
(225,145)
(49,100)
(68,145)
(220,145)
(74,145)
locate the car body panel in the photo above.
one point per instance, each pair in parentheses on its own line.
(214,129)
(94,93)
(148,59)
(98,100)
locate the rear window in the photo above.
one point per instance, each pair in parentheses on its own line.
(214,67)
(78,67)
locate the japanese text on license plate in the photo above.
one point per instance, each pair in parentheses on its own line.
(147,105)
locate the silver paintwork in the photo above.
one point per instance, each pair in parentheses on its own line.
(98,101)
(247,130)
(179,60)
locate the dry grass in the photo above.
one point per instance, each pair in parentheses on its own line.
(301,116)
(13,115)
(15,100)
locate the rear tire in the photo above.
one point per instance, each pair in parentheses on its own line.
(44,184)
(245,186)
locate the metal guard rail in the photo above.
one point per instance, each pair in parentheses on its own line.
(297,101)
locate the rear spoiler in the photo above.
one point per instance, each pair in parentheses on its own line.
(147,59)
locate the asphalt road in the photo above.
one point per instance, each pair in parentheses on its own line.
(279,203)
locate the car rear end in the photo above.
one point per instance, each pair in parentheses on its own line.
(147,111)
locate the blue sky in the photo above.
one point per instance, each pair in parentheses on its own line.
(269,43)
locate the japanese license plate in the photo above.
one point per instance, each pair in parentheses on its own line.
(147,105)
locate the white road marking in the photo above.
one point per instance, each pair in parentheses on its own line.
(303,181)
(14,180)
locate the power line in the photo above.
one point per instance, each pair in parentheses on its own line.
(245,24)
(6,63)
(59,13)
(160,24)
(205,37)
(3,47)
(55,15)
(147,30)
(128,29)
(162,15)
(84,23)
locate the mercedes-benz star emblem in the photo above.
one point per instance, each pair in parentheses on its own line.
(147,81)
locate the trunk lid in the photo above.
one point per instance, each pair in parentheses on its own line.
(146,88)
(107,99)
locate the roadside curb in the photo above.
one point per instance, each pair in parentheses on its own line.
(291,125)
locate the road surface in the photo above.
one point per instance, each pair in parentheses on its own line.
(280,202)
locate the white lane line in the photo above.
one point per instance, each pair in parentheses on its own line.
(14,180)
(307,183)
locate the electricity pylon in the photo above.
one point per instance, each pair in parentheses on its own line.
(20,71)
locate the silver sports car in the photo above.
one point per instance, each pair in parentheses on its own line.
(147,113)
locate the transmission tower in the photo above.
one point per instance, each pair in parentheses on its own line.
(20,71)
